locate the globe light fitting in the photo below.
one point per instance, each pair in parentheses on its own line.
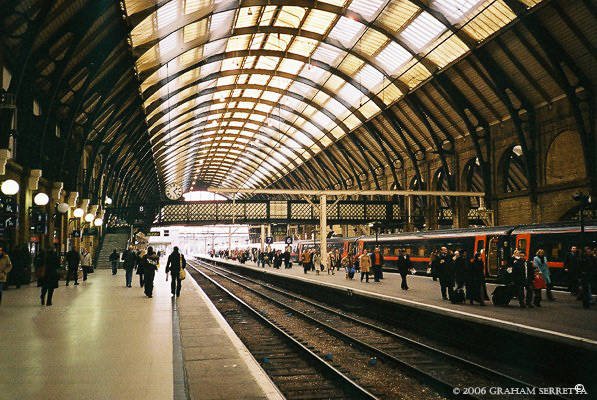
(10,187)
(98,222)
(41,199)
(78,213)
(62,208)
(108,201)
(89,217)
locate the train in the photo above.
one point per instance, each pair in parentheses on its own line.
(496,245)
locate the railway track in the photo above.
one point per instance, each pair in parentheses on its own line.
(298,372)
(445,372)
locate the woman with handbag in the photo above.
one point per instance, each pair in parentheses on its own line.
(540,263)
(537,284)
(176,266)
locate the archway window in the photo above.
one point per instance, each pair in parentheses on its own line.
(473,176)
(442,183)
(515,178)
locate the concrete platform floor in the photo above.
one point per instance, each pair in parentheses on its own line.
(101,340)
(564,318)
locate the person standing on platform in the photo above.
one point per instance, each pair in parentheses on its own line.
(21,260)
(150,266)
(364,265)
(286,256)
(72,261)
(476,278)
(49,277)
(520,278)
(404,265)
(316,262)
(114,257)
(459,266)
(86,263)
(5,267)
(139,267)
(331,264)
(445,273)
(130,260)
(377,261)
(572,267)
(540,262)
(176,262)
(434,264)
(306,260)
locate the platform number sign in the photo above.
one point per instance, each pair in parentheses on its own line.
(269,240)
(166,232)
(288,240)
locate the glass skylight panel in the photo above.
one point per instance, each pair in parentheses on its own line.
(303,46)
(320,98)
(350,94)
(194,30)
(495,16)
(277,42)
(369,77)
(290,16)
(315,74)
(254,93)
(302,139)
(392,58)
(347,31)
(337,132)
(167,13)
(448,48)
(192,6)
(221,22)
(279,82)
(267,62)
(328,54)
(321,119)
(291,66)
(247,16)
(267,15)
(350,64)
(302,89)
(334,83)
(318,21)
(336,108)
(240,42)
(231,63)
(258,79)
(214,47)
(367,9)
(351,122)
(369,109)
(271,96)
(455,10)
(422,30)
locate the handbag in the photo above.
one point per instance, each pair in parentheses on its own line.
(539,282)
(183,273)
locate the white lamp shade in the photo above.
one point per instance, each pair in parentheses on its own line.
(62,208)
(98,222)
(108,201)
(89,217)
(10,187)
(78,213)
(41,199)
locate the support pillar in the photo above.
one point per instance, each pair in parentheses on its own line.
(323,228)
(262,238)
(230,240)
(409,214)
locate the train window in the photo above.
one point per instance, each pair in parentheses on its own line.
(522,244)
(480,245)
(421,251)
(386,251)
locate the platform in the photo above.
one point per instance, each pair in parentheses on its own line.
(564,318)
(101,340)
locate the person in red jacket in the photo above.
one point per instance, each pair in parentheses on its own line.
(377,263)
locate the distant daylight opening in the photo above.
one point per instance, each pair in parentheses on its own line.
(202,196)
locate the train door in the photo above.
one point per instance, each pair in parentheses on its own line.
(493,256)
(523,242)
(480,246)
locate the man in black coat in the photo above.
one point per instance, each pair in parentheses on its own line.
(445,273)
(572,268)
(404,265)
(72,261)
(522,279)
(130,260)
(176,262)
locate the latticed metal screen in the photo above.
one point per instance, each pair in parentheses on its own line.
(256,210)
(352,211)
(301,211)
(376,211)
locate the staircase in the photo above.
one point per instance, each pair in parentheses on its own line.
(111,241)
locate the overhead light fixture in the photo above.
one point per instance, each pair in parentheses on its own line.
(10,187)
(62,208)
(108,201)
(41,199)
(89,217)
(78,213)
(98,222)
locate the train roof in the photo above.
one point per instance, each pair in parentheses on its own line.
(557,227)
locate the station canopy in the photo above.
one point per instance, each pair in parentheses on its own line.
(243,93)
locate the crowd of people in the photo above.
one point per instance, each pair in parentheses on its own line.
(79,264)
(461,277)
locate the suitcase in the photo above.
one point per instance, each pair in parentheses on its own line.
(458,296)
(502,295)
